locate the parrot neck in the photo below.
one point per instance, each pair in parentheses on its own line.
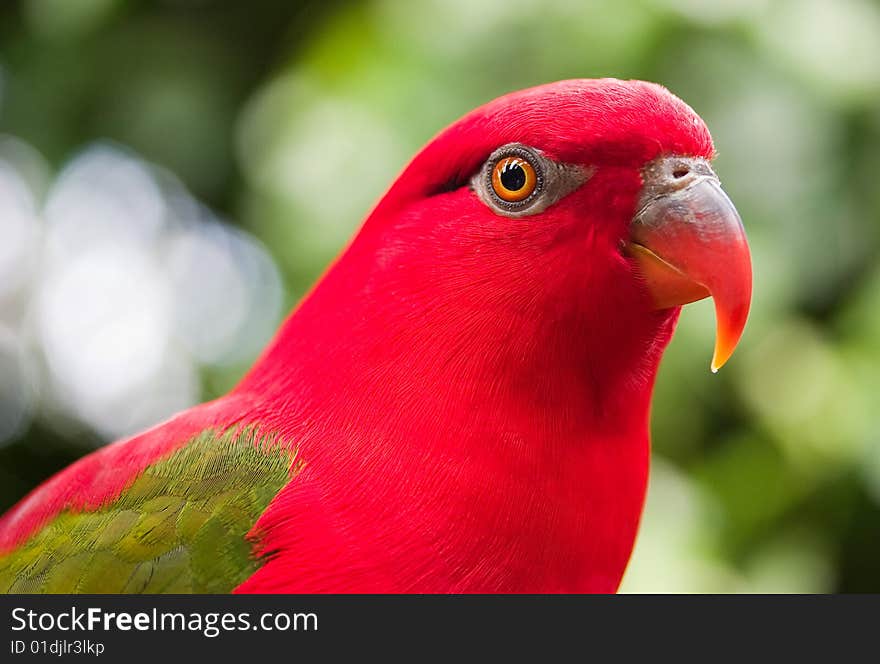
(420,341)
(467,408)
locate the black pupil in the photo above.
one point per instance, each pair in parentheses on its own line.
(513,176)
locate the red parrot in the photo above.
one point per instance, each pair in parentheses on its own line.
(461,403)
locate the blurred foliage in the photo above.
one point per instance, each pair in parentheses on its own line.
(292,117)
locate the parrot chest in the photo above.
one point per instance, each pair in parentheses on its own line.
(529,523)
(565,526)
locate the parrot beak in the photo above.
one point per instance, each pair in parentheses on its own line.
(689,243)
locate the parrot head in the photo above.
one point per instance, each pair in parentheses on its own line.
(536,251)
(589,205)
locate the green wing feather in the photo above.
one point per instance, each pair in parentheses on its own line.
(179,528)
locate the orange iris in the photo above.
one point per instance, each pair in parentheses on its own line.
(513,179)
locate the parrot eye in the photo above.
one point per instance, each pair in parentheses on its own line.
(518,180)
(514,179)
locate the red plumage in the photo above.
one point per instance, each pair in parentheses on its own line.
(469,392)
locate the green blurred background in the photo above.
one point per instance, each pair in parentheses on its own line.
(249,139)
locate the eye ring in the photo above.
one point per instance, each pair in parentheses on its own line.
(514,179)
(519,181)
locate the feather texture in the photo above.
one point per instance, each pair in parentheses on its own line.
(179,527)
